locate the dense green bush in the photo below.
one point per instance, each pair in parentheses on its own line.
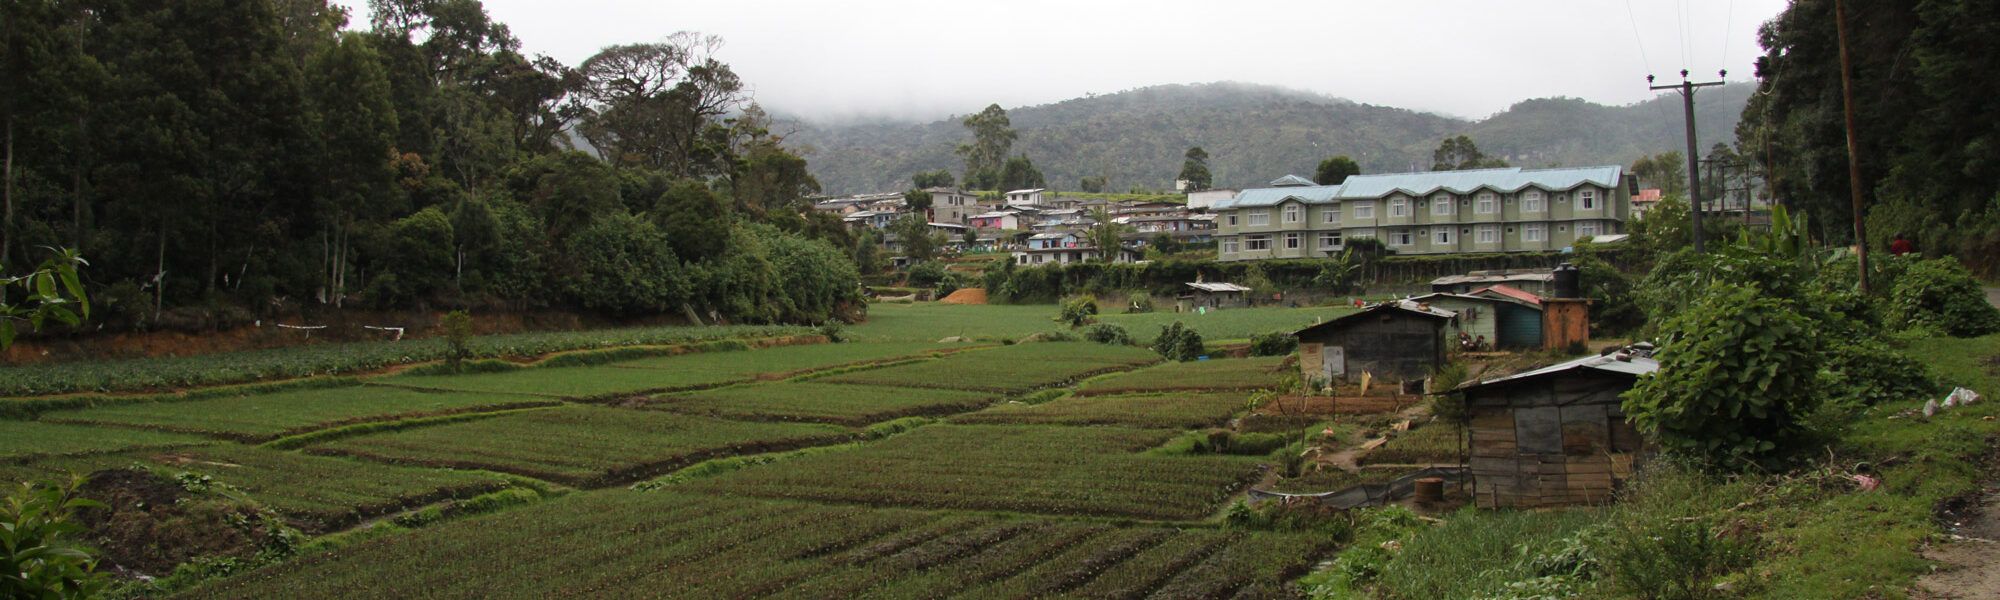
(1077,311)
(1179,342)
(1737,373)
(40,545)
(1940,295)
(1276,343)
(927,274)
(1107,333)
(624,265)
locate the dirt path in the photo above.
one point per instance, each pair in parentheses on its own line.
(1970,559)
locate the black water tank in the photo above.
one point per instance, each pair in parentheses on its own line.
(1567,281)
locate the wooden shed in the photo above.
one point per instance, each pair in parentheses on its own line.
(1393,341)
(1212,296)
(1555,435)
(1503,322)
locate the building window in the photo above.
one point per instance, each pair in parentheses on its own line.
(1442,236)
(1331,215)
(1489,234)
(1364,210)
(1562,198)
(1293,241)
(1534,233)
(1399,207)
(1362,233)
(1329,240)
(1229,246)
(1441,204)
(1487,204)
(1531,202)
(1588,198)
(1260,218)
(1586,228)
(1293,214)
(1400,238)
(1257,242)
(1232,219)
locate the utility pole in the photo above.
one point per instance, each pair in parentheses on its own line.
(1686,88)
(1853,144)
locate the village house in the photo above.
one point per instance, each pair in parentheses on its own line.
(1539,282)
(1203,294)
(1555,435)
(870,218)
(1064,247)
(1482,210)
(952,205)
(1205,199)
(1031,197)
(1391,341)
(1003,219)
(1497,322)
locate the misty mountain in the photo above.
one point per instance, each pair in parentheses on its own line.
(1256,133)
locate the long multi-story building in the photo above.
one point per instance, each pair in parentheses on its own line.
(1483,210)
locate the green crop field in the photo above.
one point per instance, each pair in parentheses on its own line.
(666,373)
(1433,443)
(24,440)
(260,417)
(1213,374)
(326,493)
(320,359)
(931,321)
(1008,370)
(1051,470)
(821,402)
(627,544)
(1165,411)
(580,445)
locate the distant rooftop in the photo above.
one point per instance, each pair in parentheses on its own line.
(1370,187)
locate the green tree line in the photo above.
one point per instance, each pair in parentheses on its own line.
(260,155)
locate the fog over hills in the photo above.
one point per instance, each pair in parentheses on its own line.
(1255,133)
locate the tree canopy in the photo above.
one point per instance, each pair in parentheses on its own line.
(992,138)
(1194,170)
(1335,170)
(1459,154)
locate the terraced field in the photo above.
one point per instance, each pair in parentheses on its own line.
(988,498)
(579,445)
(821,402)
(1046,470)
(257,418)
(1158,411)
(625,544)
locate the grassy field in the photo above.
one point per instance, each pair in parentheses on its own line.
(1048,470)
(932,321)
(1234,374)
(821,402)
(326,493)
(616,543)
(585,446)
(261,417)
(1007,370)
(1165,411)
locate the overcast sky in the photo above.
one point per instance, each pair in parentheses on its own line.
(929,59)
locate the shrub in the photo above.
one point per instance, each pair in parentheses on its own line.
(1276,343)
(1179,342)
(1940,295)
(43,552)
(1077,311)
(1107,333)
(927,274)
(1736,375)
(1139,303)
(457,332)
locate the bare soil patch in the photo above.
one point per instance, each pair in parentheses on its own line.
(966,296)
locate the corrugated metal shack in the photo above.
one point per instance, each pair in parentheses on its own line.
(1555,435)
(1502,322)
(1393,341)
(1213,295)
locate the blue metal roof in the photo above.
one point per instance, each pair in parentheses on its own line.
(1292,181)
(1371,187)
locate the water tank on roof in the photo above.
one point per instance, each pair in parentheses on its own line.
(1568,281)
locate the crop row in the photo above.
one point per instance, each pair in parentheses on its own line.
(821,402)
(21,441)
(661,545)
(581,445)
(1052,470)
(261,417)
(320,359)
(664,373)
(1008,369)
(1166,411)
(1229,374)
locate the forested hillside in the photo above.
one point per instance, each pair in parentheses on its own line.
(1255,133)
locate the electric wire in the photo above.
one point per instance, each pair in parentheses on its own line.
(1638,39)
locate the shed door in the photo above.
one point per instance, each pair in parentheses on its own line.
(1333,362)
(1518,327)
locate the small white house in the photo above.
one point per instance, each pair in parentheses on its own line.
(1031,197)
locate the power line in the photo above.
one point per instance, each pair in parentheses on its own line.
(1636,38)
(1729,25)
